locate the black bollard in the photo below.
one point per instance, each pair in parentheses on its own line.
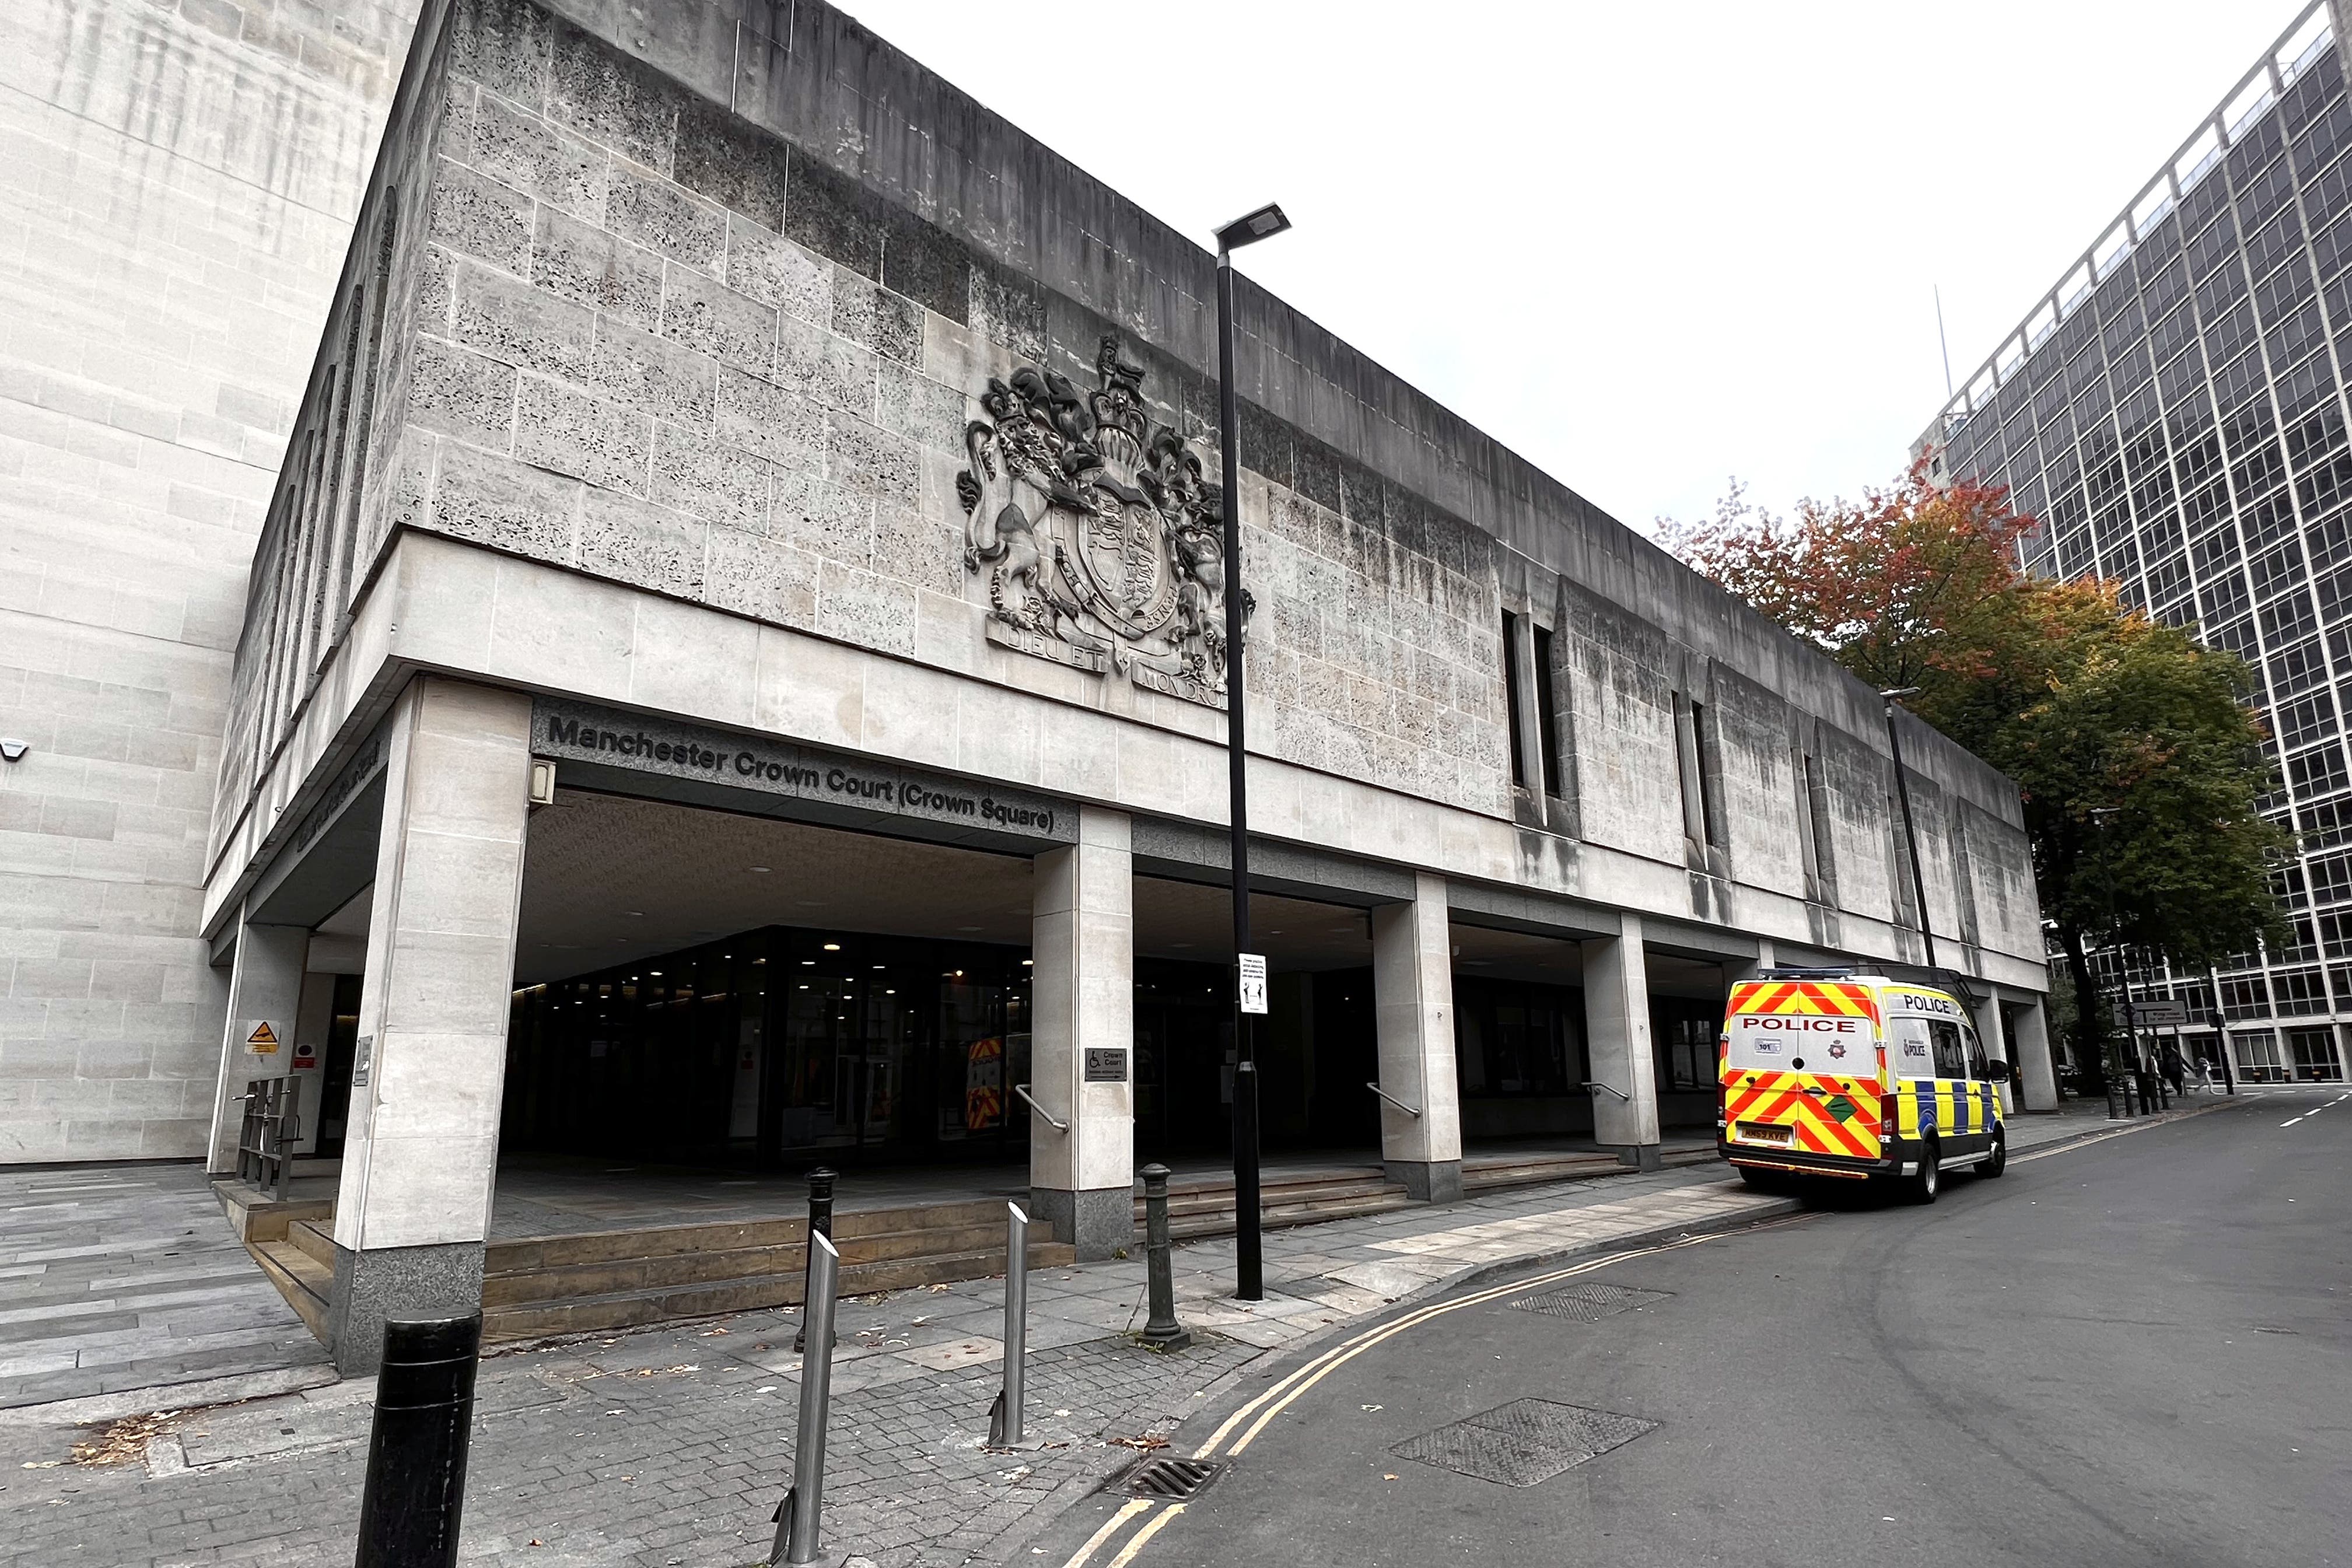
(820,1223)
(1161,1330)
(416,1453)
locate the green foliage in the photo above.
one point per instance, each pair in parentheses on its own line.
(2140,769)
(2139,764)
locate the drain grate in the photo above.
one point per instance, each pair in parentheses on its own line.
(1171,1479)
(1523,1442)
(1588,1303)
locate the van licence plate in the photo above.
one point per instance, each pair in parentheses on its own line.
(1765,1132)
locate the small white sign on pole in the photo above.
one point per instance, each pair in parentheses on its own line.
(1253,983)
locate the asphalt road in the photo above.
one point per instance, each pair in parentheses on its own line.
(2130,1352)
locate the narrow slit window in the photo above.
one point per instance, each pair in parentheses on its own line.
(1816,807)
(1711,823)
(1547,714)
(1515,714)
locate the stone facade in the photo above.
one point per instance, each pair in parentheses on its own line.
(717,365)
(180,192)
(727,365)
(673,348)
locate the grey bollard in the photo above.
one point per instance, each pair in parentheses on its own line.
(820,1223)
(1161,1330)
(797,1521)
(1005,1418)
(415,1488)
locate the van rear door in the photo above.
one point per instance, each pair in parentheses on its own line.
(1801,1068)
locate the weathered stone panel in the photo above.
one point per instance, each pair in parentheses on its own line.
(180,192)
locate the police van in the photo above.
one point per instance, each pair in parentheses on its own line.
(1846,1073)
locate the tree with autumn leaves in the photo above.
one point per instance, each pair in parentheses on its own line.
(2138,759)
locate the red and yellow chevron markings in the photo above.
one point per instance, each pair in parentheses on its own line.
(1825,1114)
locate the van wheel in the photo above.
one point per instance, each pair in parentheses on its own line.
(1997,1160)
(1758,1180)
(1922,1187)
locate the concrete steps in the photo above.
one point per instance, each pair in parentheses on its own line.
(255,1216)
(301,1263)
(1488,1176)
(556,1285)
(547,1286)
(1489,1173)
(1203,1206)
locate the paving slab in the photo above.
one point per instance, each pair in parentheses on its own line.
(672,1445)
(129,1276)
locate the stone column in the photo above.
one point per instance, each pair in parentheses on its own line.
(1082,1001)
(1412,994)
(1987,1020)
(421,1153)
(265,986)
(1617,1023)
(2029,1053)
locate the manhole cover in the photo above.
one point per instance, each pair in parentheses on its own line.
(1588,1303)
(1167,1478)
(1523,1442)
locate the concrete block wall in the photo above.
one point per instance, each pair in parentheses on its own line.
(181,180)
(717,355)
(658,344)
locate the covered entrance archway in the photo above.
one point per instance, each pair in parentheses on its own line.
(1316,1046)
(699,986)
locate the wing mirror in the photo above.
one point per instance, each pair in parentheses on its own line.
(1996,1071)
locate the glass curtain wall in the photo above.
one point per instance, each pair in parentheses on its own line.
(779,1046)
(2175,417)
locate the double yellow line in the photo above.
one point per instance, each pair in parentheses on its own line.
(1118,1522)
(1283,1394)
(1262,1409)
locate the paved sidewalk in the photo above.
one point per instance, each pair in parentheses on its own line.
(126,1276)
(670,1446)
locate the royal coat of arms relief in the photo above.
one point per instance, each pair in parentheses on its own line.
(1100,543)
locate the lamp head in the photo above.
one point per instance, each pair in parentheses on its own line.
(1251,228)
(14,749)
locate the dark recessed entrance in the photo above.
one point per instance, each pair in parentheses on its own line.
(780,1046)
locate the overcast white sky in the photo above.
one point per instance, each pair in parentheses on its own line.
(1647,245)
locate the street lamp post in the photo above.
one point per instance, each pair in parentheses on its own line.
(1910,828)
(1249,1263)
(2119,1088)
(2220,1030)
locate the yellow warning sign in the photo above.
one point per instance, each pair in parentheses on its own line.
(263,1041)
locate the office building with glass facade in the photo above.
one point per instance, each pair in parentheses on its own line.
(2173,413)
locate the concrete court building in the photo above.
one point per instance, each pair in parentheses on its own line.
(737,644)
(178,193)
(2174,414)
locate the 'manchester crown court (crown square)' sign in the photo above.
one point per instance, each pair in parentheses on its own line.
(607,746)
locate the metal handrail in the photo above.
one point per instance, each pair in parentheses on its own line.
(1029,1099)
(271,1125)
(1393,1099)
(1613,1089)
